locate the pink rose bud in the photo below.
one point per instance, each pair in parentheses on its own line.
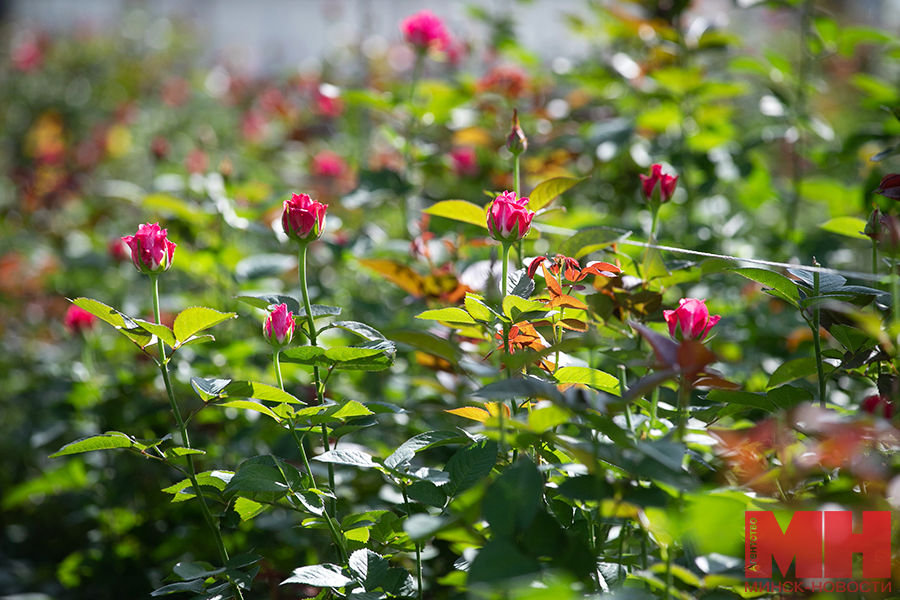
(890,186)
(328,164)
(516,141)
(509,220)
(425,30)
(151,251)
(878,405)
(279,327)
(303,219)
(690,321)
(78,320)
(464,161)
(658,187)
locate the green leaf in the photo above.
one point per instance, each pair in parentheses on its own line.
(421,527)
(369,568)
(428,342)
(372,356)
(514,307)
(250,405)
(196,585)
(264,301)
(748,399)
(788,396)
(477,308)
(178,207)
(851,338)
(779,285)
(360,329)
(512,500)
(124,324)
(161,331)
(590,240)
(590,377)
(886,153)
(209,389)
(521,387)
(459,210)
(214,479)
(851,227)
(470,465)
(197,318)
(106,441)
(429,439)
(425,492)
(447,315)
(325,575)
(547,191)
(353,458)
(257,478)
(318,310)
(498,560)
(544,419)
(793,370)
(331,413)
(194,570)
(248,508)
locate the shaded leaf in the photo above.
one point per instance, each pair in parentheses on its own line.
(470,465)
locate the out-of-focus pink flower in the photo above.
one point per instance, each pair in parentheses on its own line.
(690,321)
(329,106)
(890,186)
(197,161)
(304,218)
(509,219)
(159,147)
(657,180)
(507,80)
(26,55)
(328,164)
(151,250)
(878,405)
(273,101)
(117,249)
(175,91)
(278,328)
(253,126)
(425,30)
(78,320)
(464,161)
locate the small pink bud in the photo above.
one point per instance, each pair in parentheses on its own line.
(690,321)
(151,251)
(509,220)
(304,218)
(278,328)
(78,320)
(658,187)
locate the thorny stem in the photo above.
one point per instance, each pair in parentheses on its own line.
(192,473)
(820,367)
(418,545)
(297,438)
(320,391)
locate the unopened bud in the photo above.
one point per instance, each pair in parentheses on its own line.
(517,143)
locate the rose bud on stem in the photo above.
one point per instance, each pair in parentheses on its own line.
(517,144)
(657,189)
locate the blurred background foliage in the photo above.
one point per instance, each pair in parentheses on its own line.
(773,140)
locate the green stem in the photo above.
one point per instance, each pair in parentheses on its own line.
(895,297)
(293,425)
(623,386)
(875,260)
(504,285)
(410,133)
(684,399)
(820,367)
(192,474)
(277,363)
(654,223)
(418,545)
(320,392)
(517,188)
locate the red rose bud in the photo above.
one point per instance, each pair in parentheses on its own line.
(425,30)
(878,405)
(303,219)
(78,320)
(117,250)
(151,251)
(658,187)
(873,225)
(516,142)
(508,219)
(890,186)
(278,328)
(690,321)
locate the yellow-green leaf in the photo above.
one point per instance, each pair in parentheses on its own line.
(197,318)
(548,191)
(448,315)
(459,210)
(851,227)
(590,377)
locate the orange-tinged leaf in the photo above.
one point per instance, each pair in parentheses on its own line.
(574,324)
(471,412)
(566,301)
(400,275)
(598,268)
(552,283)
